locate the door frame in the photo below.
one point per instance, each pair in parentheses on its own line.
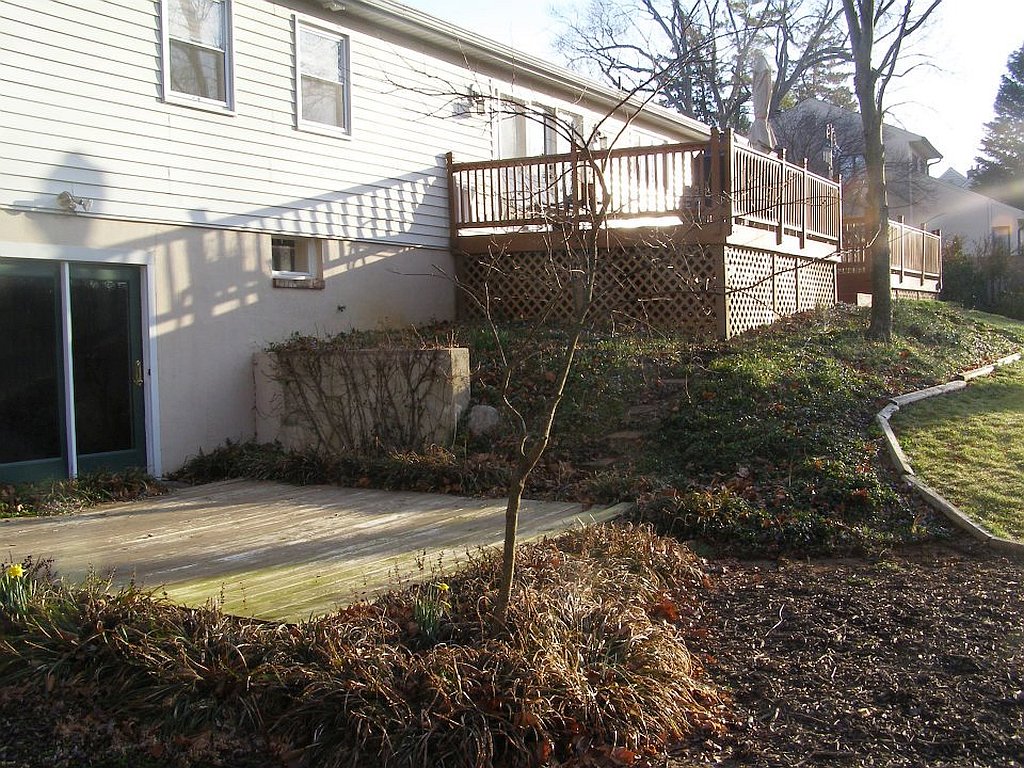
(107,257)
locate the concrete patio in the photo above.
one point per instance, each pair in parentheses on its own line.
(278,551)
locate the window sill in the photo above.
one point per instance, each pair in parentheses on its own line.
(309,283)
(322,129)
(195,102)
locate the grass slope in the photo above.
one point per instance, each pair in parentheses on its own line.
(758,445)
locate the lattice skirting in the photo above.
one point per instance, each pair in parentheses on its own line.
(670,286)
(667,286)
(906,293)
(762,286)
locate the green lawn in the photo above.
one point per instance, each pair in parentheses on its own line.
(969,446)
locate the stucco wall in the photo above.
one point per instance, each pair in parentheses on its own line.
(214,305)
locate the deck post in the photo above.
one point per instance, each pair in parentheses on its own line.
(839,221)
(453,212)
(899,241)
(806,206)
(574,180)
(722,303)
(727,177)
(714,166)
(780,208)
(924,254)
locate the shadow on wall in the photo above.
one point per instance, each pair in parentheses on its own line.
(216,304)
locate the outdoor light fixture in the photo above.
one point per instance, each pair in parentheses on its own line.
(73,204)
(473,102)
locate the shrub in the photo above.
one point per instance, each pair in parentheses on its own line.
(71,495)
(592,663)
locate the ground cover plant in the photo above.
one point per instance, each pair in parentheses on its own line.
(760,445)
(71,495)
(969,446)
(621,643)
(592,668)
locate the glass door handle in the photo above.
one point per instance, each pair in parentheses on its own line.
(137,378)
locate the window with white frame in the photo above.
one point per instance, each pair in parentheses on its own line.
(296,261)
(322,79)
(197,51)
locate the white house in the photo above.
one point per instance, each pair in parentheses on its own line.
(182,181)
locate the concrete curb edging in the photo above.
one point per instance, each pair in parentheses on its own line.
(931,497)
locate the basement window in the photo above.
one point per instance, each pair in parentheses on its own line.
(296,262)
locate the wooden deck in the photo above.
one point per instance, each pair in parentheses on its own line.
(277,551)
(915,259)
(713,192)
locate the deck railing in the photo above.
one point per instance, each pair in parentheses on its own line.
(913,252)
(706,183)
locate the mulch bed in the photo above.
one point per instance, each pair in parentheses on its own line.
(909,660)
(915,659)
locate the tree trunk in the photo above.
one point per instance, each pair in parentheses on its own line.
(860,19)
(877,215)
(516,486)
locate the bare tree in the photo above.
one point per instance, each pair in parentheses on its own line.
(695,54)
(585,208)
(564,205)
(878,30)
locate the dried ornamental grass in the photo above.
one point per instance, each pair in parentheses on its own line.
(591,667)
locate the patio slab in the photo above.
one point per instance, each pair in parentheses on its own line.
(277,551)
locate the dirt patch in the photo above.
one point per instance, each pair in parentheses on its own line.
(915,659)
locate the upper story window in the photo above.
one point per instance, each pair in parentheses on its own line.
(197,52)
(322,79)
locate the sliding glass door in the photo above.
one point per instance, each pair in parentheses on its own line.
(71,369)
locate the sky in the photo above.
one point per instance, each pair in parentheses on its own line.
(948,100)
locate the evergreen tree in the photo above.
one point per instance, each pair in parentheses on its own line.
(999,172)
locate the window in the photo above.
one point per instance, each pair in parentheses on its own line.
(197,52)
(1001,238)
(525,130)
(296,262)
(322,82)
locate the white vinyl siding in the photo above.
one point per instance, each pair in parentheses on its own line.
(196,55)
(322,79)
(82,110)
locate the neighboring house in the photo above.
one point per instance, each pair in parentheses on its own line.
(183,181)
(943,204)
(958,211)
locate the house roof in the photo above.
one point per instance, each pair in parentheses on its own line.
(954,177)
(529,70)
(893,136)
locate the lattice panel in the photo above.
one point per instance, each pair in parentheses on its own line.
(516,286)
(762,286)
(665,287)
(749,282)
(668,286)
(817,284)
(785,284)
(906,293)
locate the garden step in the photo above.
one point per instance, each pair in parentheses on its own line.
(646,412)
(602,463)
